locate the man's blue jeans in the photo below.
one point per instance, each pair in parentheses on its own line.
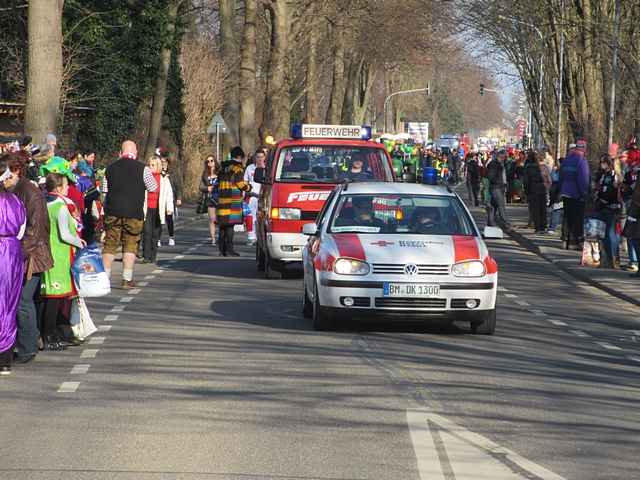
(27,339)
(612,239)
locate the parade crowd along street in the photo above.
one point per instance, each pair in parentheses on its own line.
(56,206)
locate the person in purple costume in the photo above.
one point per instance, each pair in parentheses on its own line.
(13,220)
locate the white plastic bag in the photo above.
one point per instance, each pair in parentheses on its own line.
(89,274)
(86,327)
(594,228)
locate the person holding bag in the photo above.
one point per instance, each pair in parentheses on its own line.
(57,282)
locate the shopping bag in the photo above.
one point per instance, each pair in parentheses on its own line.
(594,228)
(89,275)
(590,254)
(85,327)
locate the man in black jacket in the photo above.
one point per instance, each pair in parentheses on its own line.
(125,183)
(497,176)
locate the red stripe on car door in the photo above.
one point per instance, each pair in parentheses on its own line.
(349,245)
(465,248)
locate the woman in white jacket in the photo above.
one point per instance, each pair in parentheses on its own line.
(157,206)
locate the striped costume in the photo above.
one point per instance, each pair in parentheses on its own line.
(231,186)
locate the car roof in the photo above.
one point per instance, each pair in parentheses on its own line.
(396,188)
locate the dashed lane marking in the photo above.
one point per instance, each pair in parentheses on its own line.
(68,387)
(105,328)
(538,313)
(80,369)
(579,333)
(179,257)
(558,323)
(134,291)
(511,295)
(126,299)
(149,277)
(143,284)
(111,318)
(502,289)
(157,272)
(118,309)
(608,346)
(633,358)
(523,303)
(96,340)
(89,353)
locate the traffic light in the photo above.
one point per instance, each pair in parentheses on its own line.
(482,89)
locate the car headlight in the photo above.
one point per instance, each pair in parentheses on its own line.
(286,213)
(474,268)
(349,266)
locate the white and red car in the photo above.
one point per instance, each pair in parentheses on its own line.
(398,249)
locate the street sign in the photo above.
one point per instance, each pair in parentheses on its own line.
(217,121)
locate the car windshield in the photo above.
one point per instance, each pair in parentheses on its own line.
(401,214)
(332,164)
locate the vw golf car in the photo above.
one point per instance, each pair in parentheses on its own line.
(399,250)
(300,174)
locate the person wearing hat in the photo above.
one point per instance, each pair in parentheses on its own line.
(574,188)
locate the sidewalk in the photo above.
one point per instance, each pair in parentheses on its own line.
(551,248)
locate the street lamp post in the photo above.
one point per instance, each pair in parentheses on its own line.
(402,92)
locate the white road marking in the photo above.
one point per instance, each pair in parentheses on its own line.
(179,257)
(111,318)
(134,291)
(634,358)
(608,346)
(89,353)
(118,308)
(96,340)
(149,277)
(635,333)
(68,387)
(558,323)
(523,303)
(143,284)
(80,369)
(105,328)
(445,450)
(157,272)
(511,295)
(502,289)
(538,313)
(579,333)
(126,299)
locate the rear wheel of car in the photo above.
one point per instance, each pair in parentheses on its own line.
(260,261)
(307,306)
(321,320)
(487,326)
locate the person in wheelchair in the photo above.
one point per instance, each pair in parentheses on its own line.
(428,221)
(360,214)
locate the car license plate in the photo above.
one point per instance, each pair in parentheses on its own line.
(411,290)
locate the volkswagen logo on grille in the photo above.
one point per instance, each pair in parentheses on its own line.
(410,269)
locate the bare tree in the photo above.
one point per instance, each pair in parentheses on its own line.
(248,127)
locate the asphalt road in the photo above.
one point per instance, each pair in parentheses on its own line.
(210,371)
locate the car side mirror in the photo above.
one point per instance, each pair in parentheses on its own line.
(494,233)
(310,229)
(260,175)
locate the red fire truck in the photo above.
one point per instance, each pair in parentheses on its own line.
(300,175)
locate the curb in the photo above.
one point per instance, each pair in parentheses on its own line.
(532,247)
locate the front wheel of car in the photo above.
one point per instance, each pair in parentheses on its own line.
(487,326)
(321,320)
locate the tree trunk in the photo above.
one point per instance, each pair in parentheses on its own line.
(44,80)
(160,91)
(248,131)
(277,104)
(338,84)
(229,51)
(313,70)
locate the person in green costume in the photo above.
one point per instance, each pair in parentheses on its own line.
(57,283)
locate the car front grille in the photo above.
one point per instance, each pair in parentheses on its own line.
(395,269)
(386,302)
